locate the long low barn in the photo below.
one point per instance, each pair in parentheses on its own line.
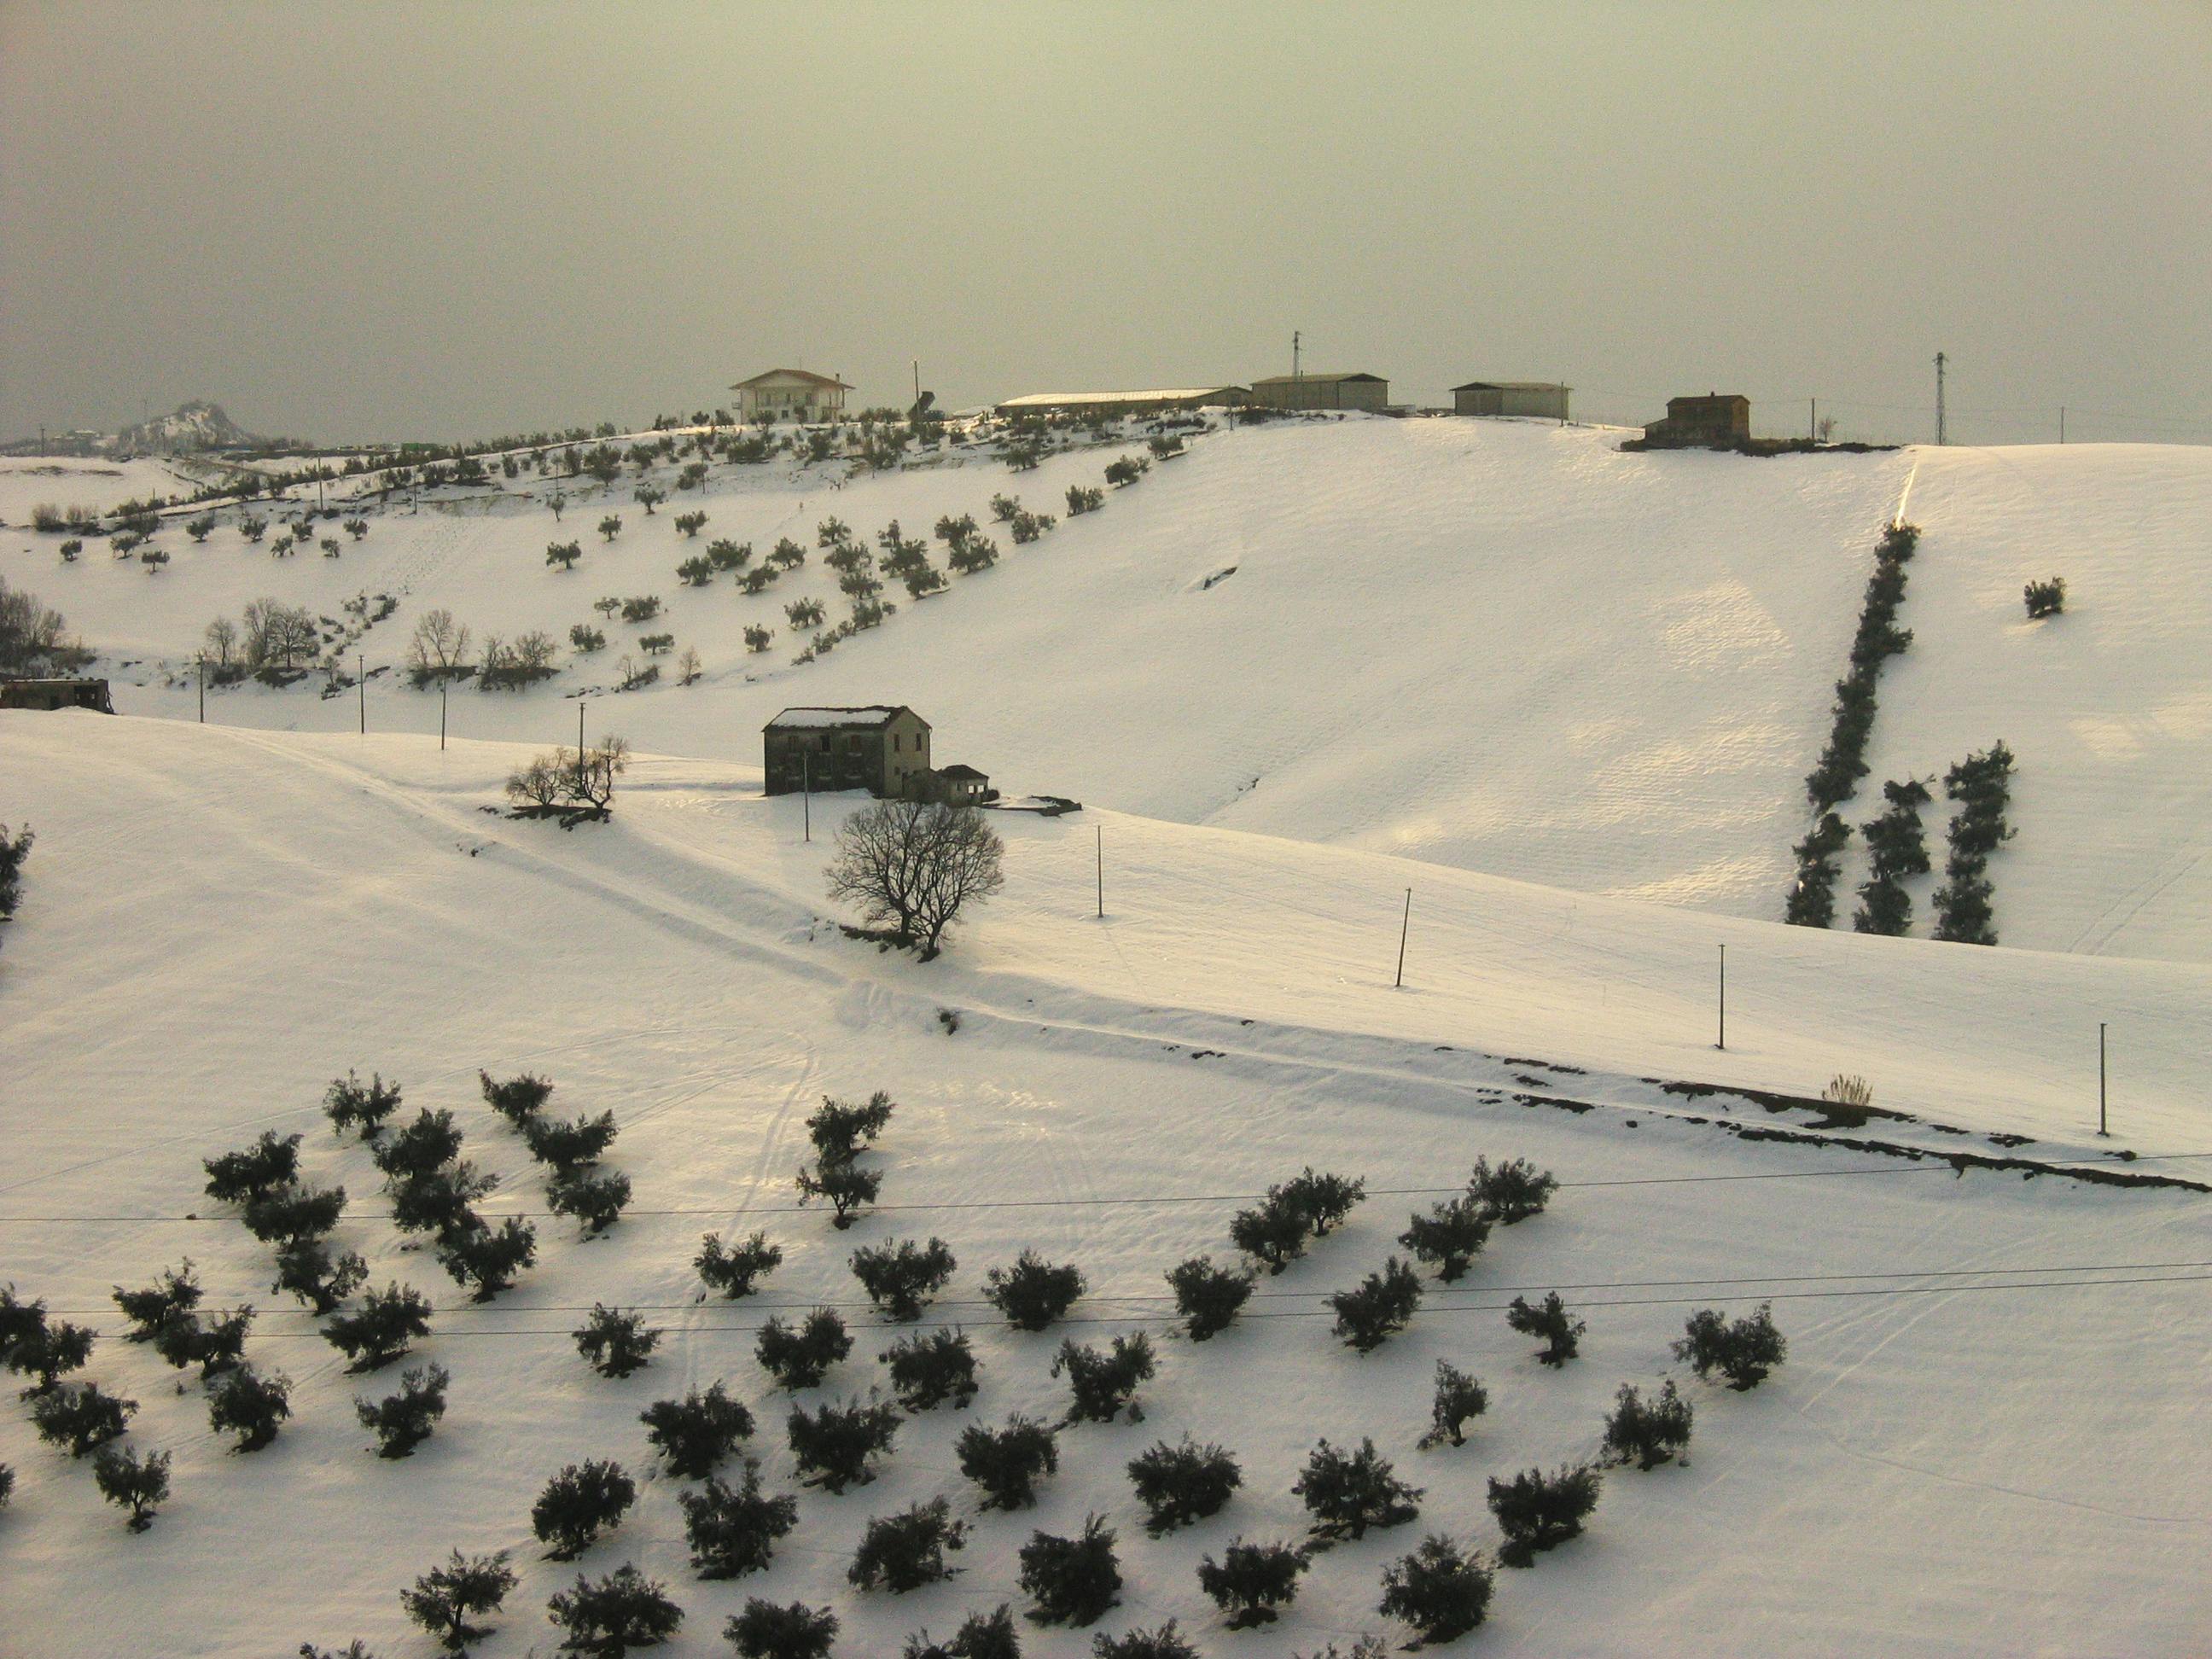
(1123,403)
(1544,400)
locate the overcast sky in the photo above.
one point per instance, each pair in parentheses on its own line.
(352,221)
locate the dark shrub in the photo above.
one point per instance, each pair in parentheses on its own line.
(486,1259)
(308,1271)
(623,1610)
(1273,1233)
(1458,1398)
(177,1291)
(250,1406)
(445,1600)
(981,1636)
(1073,1580)
(1102,1383)
(1181,1484)
(579,1503)
(351,1104)
(832,1445)
(616,1343)
(516,1097)
(842,1131)
(1208,1297)
(1322,1201)
(596,1200)
(901,1278)
(567,1145)
(1379,1306)
(80,1417)
(1165,1643)
(1550,1320)
(1450,1235)
(1032,1293)
(382,1328)
(695,1433)
(735,1269)
(1347,1493)
(271,1162)
(930,1368)
(1252,1581)
(292,1214)
(2045,598)
(419,1148)
(903,1551)
(131,1482)
(1006,1462)
(1514,1191)
(1646,1435)
(1812,902)
(800,1359)
(1537,1511)
(7,1484)
(846,1186)
(768,1630)
(1440,1590)
(1743,1352)
(404,1421)
(734,1530)
(23,1321)
(440,1202)
(214,1342)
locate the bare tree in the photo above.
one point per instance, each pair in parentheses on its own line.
(439,647)
(222,638)
(915,866)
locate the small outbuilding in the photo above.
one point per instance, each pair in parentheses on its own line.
(1717,421)
(882,748)
(56,694)
(960,786)
(1541,400)
(1368,392)
(790,394)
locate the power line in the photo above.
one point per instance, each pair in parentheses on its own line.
(1164,1320)
(1934,1161)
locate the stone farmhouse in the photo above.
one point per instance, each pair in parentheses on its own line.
(883,748)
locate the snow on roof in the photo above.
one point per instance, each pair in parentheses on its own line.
(1047,399)
(873,713)
(806,374)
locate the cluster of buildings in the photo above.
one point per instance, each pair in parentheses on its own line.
(883,748)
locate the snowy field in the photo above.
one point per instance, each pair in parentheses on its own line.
(1499,646)
(1989,1438)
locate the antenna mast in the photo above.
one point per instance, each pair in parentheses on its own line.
(1941,437)
(1294,354)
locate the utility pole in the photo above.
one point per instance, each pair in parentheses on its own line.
(1723,1043)
(2101,1129)
(1294,354)
(360,686)
(1813,419)
(2062,423)
(442,717)
(1102,872)
(1942,435)
(203,662)
(806,791)
(1405,925)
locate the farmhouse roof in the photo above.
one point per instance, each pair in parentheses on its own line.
(963,771)
(1513,386)
(865,715)
(806,374)
(1293,380)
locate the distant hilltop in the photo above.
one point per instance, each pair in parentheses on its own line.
(193,428)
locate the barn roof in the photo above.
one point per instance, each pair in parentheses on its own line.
(1052,399)
(962,770)
(1513,386)
(864,716)
(806,374)
(1293,380)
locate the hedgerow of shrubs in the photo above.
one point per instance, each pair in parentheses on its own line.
(1896,847)
(1812,902)
(1843,762)
(1982,785)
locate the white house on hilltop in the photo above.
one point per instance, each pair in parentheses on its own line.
(790,394)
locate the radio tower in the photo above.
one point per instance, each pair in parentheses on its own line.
(1941,437)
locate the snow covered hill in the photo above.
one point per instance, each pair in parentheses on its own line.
(1985,1439)
(1502,647)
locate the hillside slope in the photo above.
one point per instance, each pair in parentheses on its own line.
(1499,646)
(216,921)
